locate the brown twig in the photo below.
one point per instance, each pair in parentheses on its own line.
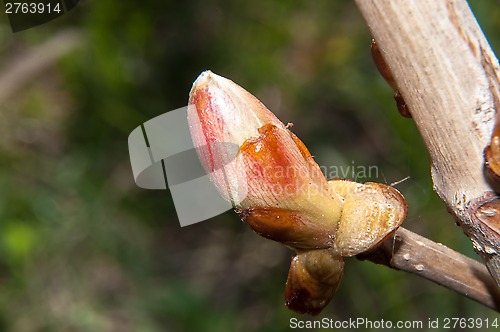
(410,252)
(449,77)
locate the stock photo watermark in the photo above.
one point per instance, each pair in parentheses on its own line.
(352,171)
(28,14)
(447,323)
(162,155)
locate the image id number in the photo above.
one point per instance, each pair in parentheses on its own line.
(31,8)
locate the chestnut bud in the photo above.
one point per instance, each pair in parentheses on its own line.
(277,188)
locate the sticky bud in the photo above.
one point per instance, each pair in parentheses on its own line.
(272,180)
(277,188)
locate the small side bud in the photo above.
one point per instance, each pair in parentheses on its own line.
(313,278)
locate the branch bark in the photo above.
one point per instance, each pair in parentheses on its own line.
(410,252)
(449,77)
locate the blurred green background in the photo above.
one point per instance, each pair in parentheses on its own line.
(84,249)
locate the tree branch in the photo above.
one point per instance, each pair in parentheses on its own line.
(449,77)
(416,254)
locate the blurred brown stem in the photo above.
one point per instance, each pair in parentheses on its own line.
(410,252)
(449,77)
(25,67)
